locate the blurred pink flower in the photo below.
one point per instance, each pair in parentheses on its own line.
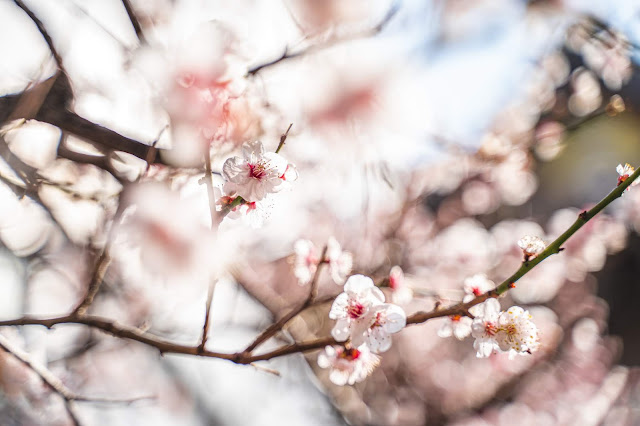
(306,261)
(340,262)
(348,366)
(401,293)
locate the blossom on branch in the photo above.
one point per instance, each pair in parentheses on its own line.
(257,173)
(624,172)
(456,325)
(387,319)
(531,246)
(508,331)
(353,309)
(348,366)
(517,333)
(401,293)
(340,262)
(306,261)
(485,327)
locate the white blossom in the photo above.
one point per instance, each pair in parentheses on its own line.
(387,319)
(353,308)
(477,285)
(624,172)
(257,173)
(517,334)
(485,327)
(306,261)
(401,293)
(348,366)
(531,246)
(456,325)
(340,262)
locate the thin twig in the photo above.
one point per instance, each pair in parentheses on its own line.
(205,327)
(208,180)
(135,22)
(286,55)
(277,326)
(99,271)
(43,32)
(283,138)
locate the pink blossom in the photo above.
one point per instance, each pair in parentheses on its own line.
(401,293)
(306,261)
(340,262)
(387,320)
(354,307)
(348,366)
(257,173)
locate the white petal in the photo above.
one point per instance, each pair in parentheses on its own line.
(339,306)
(395,318)
(341,330)
(358,284)
(378,340)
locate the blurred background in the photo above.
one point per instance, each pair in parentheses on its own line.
(427,134)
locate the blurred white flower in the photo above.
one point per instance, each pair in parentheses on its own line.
(387,319)
(624,172)
(517,334)
(257,173)
(477,285)
(340,262)
(531,246)
(353,309)
(348,366)
(485,327)
(401,293)
(456,325)
(306,261)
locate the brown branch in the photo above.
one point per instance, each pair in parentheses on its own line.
(99,271)
(277,326)
(43,32)
(283,138)
(135,22)
(287,55)
(207,314)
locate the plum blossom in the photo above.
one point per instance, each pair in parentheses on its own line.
(460,326)
(401,293)
(255,213)
(340,262)
(456,325)
(624,172)
(348,365)
(306,261)
(508,331)
(531,246)
(477,285)
(257,173)
(517,334)
(387,319)
(353,309)
(485,327)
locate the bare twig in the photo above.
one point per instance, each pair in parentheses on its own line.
(286,55)
(207,314)
(283,138)
(277,326)
(100,269)
(55,384)
(134,20)
(43,31)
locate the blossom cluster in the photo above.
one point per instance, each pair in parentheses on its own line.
(366,322)
(307,260)
(251,180)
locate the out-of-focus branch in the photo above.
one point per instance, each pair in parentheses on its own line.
(42,30)
(277,326)
(207,315)
(55,384)
(100,269)
(283,138)
(134,20)
(287,55)
(246,357)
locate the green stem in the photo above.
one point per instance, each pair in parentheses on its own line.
(553,248)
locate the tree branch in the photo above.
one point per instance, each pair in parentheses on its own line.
(134,20)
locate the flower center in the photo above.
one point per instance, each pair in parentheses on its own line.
(379,320)
(490,328)
(257,171)
(350,354)
(511,329)
(355,309)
